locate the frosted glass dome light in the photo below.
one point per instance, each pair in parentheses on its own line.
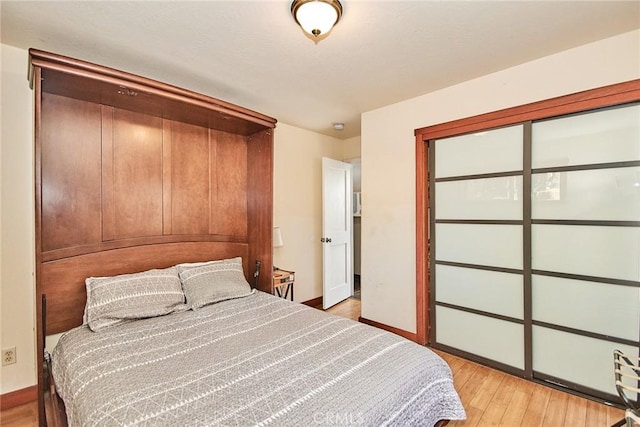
(316,17)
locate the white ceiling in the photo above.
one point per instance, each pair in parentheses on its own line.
(252,54)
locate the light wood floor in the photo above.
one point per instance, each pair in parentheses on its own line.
(20,416)
(494,398)
(490,397)
(349,308)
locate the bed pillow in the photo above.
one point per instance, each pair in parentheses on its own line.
(213,282)
(112,300)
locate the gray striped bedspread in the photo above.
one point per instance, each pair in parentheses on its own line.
(258,360)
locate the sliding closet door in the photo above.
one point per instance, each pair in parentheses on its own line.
(476,244)
(585,237)
(535,245)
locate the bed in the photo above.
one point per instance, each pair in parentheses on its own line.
(136,177)
(257,360)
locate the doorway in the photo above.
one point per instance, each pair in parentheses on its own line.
(345,305)
(337,230)
(357,224)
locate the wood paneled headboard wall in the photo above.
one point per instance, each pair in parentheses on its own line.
(133,174)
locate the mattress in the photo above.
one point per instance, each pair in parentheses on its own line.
(258,360)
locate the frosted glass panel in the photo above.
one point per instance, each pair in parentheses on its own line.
(498,150)
(491,198)
(582,360)
(605,194)
(610,252)
(595,307)
(487,337)
(598,137)
(494,292)
(492,245)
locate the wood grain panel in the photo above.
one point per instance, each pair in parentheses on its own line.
(136,174)
(63,280)
(190,174)
(229,205)
(70,168)
(108,184)
(137,241)
(260,205)
(37,87)
(166,177)
(86,81)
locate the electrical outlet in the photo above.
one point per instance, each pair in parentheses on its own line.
(9,356)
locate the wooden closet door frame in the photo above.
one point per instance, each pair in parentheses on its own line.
(606,96)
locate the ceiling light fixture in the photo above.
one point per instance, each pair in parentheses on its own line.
(316,17)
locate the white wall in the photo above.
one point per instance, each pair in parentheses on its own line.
(297,203)
(388,156)
(17,283)
(351,154)
(351,148)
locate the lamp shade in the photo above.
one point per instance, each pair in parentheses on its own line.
(316,17)
(277,238)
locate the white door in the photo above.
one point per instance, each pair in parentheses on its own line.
(337,238)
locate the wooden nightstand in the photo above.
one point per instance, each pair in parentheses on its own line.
(283,283)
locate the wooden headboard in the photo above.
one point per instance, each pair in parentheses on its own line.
(133,174)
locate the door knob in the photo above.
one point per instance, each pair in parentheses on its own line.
(325,239)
